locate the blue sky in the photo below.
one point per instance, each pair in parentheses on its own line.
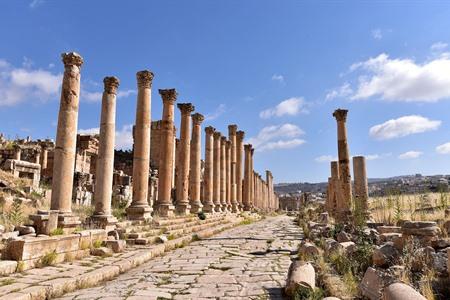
(278,69)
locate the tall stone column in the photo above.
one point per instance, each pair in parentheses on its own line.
(269,181)
(228,174)
(239,155)
(139,208)
(164,206)
(344,165)
(232,131)
(66,137)
(182,185)
(105,158)
(217,172)
(195,171)
(17,152)
(361,186)
(252,177)
(335,187)
(37,156)
(246,200)
(208,177)
(44,157)
(223,173)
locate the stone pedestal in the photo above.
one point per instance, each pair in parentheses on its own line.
(217,172)
(208,178)
(164,206)
(64,154)
(195,170)
(182,184)
(105,159)
(139,208)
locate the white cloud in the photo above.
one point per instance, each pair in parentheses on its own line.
(279,78)
(443,149)
(325,158)
(343,91)
(18,85)
(403,79)
(438,47)
(403,126)
(36,3)
(410,155)
(290,107)
(221,109)
(124,136)
(97,96)
(377,34)
(277,137)
(372,156)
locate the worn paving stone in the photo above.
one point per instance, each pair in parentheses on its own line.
(246,262)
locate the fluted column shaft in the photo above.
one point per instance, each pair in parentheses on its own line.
(228,174)
(252,176)
(217,172)
(105,157)
(208,177)
(232,131)
(195,170)
(239,169)
(182,184)
(166,164)
(66,136)
(223,173)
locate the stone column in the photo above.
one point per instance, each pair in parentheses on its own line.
(335,187)
(223,173)
(246,201)
(228,174)
(66,137)
(139,208)
(361,186)
(17,152)
(105,158)
(208,178)
(195,171)
(217,172)
(344,165)
(44,157)
(239,155)
(37,156)
(166,163)
(232,131)
(269,181)
(182,184)
(252,177)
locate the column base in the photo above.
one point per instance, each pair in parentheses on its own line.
(217,208)
(196,207)
(165,210)
(183,209)
(140,213)
(224,207)
(68,222)
(209,208)
(235,207)
(247,208)
(107,222)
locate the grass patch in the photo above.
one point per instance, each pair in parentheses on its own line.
(246,221)
(57,231)
(7,281)
(97,244)
(48,259)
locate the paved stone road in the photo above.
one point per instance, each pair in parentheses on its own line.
(246,262)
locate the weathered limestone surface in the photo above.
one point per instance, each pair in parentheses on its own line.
(232,131)
(195,170)
(246,197)
(361,186)
(401,291)
(239,169)
(223,173)
(217,172)
(208,178)
(232,265)
(64,154)
(139,208)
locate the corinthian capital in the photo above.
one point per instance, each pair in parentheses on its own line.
(240,135)
(144,79)
(210,130)
(197,118)
(217,135)
(111,84)
(72,59)
(186,108)
(340,114)
(232,129)
(168,95)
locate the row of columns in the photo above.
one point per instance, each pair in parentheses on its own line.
(228,183)
(340,201)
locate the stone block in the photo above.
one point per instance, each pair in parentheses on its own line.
(401,291)
(385,255)
(116,246)
(389,237)
(68,243)
(343,237)
(348,247)
(102,251)
(389,229)
(31,248)
(373,283)
(7,267)
(23,230)
(420,228)
(308,250)
(301,275)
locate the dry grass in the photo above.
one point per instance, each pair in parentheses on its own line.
(418,207)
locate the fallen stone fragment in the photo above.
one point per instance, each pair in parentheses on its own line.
(308,250)
(102,251)
(301,276)
(401,291)
(385,255)
(389,229)
(116,246)
(373,283)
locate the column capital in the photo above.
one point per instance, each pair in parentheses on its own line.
(168,95)
(252,150)
(72,59)
(228,144)
(240,134)
(210,130)
(340,114)
(197,118)
(144,79)
(217,134)
(232,128)
(223,139)
(111,84)
(186,108)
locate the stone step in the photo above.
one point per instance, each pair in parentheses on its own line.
(194,228)
(191,223)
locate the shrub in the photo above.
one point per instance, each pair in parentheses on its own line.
(57,231)
(97,244)
(201,215)
(48,259)
(303,293)
(15,215)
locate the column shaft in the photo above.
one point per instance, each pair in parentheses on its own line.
(208,177)
(361,186)
(217,172)
(195,170)
(239,169)
(223,173)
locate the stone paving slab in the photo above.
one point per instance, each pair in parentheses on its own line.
(246,262)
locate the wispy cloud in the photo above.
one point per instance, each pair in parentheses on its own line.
(403,126)
(438,47)
(377,34)
(220,110)
(124,136)
(410,155)
(22,84)
(97,96)
(277,137)
(443,149)
(36,3)
(289,107)
(344,90)
(279,78)
(325,158)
